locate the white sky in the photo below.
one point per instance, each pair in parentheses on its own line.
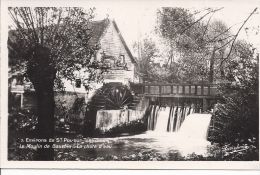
(136,19)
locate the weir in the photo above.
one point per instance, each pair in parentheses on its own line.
(202,95)
(169,118)
(179,127)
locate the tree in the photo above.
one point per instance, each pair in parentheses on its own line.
(186,35)
(197,41)
(218,39)
(236,118)
(48,45)
(148,53)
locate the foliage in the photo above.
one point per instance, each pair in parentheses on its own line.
(70,120)
(199,44)
(180,28)
(21,123)
(65,32)
(48,45)
(22,120)
(192,47)
(146,63)
(242,152)
(236,118)
(228,152)
(174,43)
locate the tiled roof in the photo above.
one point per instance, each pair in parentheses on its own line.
(97,28)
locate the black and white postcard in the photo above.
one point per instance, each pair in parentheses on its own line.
(130,84)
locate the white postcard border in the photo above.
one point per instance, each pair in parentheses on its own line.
(99,164)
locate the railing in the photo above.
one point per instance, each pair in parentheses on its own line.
(176,89)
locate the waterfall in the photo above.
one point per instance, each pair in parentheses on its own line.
(192,136)
(162,119)
(179,127)
(195,126)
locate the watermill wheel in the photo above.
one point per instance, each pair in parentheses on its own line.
(112,96)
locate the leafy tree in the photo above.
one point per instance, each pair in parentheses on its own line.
(236,118)
(148,53)
(186,35)
(203,47)
(48,45)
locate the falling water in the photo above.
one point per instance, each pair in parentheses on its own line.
(169,119)
(196,126)
(161,123)
(187,131)
(192,136)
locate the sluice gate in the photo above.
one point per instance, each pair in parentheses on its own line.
(202,96)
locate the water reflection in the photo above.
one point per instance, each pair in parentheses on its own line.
(190,138)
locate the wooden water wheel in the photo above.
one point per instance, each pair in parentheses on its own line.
(112,96)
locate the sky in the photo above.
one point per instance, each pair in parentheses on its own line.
(138,19)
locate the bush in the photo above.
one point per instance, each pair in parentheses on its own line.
(70,120)
(22,120)
(21,123)
(236,119)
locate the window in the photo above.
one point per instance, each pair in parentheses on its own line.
(122,59)
(19,80)
(78,83)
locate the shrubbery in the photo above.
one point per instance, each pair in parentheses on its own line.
(236,118)
(22,120)
(70,120)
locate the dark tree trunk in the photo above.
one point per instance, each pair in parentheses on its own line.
(222,72)
(45,128)
(222,64)
(41,72)
(211,67)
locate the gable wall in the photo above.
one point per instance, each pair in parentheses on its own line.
(112,45)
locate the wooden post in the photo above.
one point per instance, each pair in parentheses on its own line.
(21,100)
(204,104)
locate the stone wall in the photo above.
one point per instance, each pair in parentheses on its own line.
(107,119)
(67,98)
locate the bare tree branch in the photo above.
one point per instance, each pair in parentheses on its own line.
(225,44)
(214,39)
(207,26)
(231,48)
(187,28)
